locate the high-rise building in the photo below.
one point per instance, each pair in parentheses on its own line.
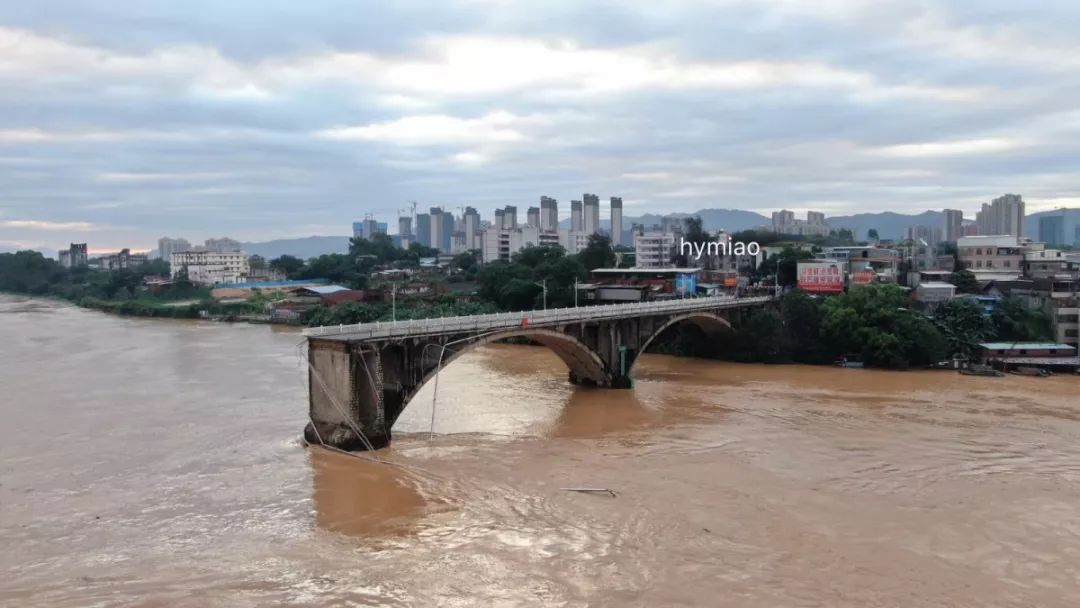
(1003,215)
(1060,227)
(532,217)
(509,218)
(472,229)
(404,226)
(577,218)
(591,214)
(923,233)
(784,222)
(446,241)
(168,246)
(953,223)
(368,228)
(616,221)
(74,256)
(438,218)
(423,229)
(500,244)
(549,213)
(222,245)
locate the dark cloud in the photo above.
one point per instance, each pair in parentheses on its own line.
(121,122)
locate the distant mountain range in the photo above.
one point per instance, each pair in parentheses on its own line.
(303,248)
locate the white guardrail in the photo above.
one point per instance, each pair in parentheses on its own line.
(528,318)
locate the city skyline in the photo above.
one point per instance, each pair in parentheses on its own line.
(121,125)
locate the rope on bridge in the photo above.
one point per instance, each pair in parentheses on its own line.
(348,420)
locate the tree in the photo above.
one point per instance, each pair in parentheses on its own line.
(380,246)
(1013,320)
(560,274)
(802,322)
(467,262)
(158,267)
(495,276)
(290,265)
(964,325)
(788,263)
(875,322)
(535,256)
(29,272)
(872,234)
(597,253)
(965,281)
(338,268)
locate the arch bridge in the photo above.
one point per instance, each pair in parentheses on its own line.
(362,376)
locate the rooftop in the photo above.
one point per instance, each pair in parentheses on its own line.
(637,270)
(325,289)
(1025,346)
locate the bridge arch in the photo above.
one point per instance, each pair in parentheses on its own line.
(711,323)
(584,363)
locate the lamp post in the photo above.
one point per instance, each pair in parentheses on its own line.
(575,291)
(778,275)
(543,284)
(393,302)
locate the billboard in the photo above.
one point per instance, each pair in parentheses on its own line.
(686,285)
(821,277)
(863,277)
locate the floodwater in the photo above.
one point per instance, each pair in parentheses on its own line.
(157,463)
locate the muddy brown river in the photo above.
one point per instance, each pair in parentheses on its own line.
(158,463)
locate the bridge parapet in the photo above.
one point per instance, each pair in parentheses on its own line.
(531,318)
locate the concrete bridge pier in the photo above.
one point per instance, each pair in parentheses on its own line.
(346,397)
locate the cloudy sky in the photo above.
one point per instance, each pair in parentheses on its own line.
(124,121)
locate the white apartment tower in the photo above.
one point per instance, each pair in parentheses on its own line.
(1003,215)
(953,223)
(549,213)
(591,214)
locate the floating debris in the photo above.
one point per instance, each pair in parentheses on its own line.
(591,490)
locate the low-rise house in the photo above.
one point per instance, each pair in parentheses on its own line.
(992,257)
(302,300)
(211,267)
(1066,320)
(1035,354)
(934,292)
(123,260)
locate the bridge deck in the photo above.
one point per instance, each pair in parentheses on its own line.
(514,320)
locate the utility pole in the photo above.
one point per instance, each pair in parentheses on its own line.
(575,291)
(393,302)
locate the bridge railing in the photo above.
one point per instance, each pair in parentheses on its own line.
(528,318)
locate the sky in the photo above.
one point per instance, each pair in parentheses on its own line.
(121,122)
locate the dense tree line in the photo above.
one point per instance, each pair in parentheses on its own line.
(874,324)
(354,268)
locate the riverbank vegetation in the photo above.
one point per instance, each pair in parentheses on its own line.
(120,292)
(874,324)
